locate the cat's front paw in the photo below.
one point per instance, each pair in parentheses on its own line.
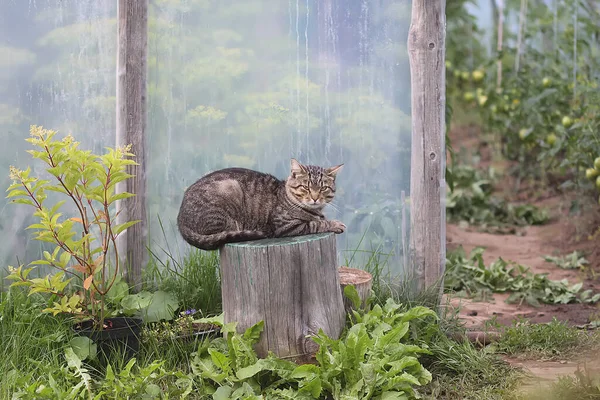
(336,227)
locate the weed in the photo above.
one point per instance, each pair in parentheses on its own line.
(463,372)
(32,342)
(575,260)
(552,340)
(196,280)
(582,385)
(472,201)
(470,276)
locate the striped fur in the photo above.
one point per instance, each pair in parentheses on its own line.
(238,204)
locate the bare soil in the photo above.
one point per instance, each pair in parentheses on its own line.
(566,231)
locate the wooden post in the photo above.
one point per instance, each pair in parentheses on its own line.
(426,50)
(132,18)
(292,284)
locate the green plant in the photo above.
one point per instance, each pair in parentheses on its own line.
(471,200)
(584,385)
(470,276)
(195,279)
(370,360)
(575,260)
(85,252)
(555,339)
(462,371)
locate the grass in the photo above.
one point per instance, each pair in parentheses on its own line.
(463,372)
(194,277)
(583,385)
(32,343)
(36,365)
(553,340)
(195,280)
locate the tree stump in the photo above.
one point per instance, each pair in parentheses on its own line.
(292,284)
(362,281)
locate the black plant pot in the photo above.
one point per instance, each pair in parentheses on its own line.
(121,334)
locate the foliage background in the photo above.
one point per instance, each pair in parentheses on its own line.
(230,83)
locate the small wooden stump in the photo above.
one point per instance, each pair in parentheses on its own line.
(292,284)
(362,281)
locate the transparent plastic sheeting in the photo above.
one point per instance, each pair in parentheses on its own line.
(248,83)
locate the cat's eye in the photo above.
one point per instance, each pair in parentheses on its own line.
(304,187)
(325,188)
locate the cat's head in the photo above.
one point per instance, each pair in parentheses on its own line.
(311,186)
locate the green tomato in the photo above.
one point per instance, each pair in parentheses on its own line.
(523,134)
(448,64)
(598,183)
(482,100)
(478,75)
(469,96)
(465,75)
(567,122)
(597,163)
(591,173)
(551,139)
(546,82)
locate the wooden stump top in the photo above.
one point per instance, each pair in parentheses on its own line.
(285,241)
(353,276)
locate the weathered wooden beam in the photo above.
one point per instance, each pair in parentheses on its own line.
(426,50)
(132,51)
(292,284)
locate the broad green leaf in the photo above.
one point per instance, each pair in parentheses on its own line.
(162,307)
(136,302)
(312,386)
(352,294)
(252,334)
(120,228)
(223,393)
(153,390)
(83,347)
(219,359)
(392,395)
(118,291)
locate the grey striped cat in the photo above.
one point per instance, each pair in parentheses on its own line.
(238,204)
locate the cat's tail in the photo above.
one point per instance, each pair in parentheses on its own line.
(216,240)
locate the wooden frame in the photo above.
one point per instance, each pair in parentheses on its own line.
(426,50)
(132,16)
(426,47)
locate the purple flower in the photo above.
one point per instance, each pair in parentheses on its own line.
(191,311)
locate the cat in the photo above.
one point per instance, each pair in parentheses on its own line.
(237,204)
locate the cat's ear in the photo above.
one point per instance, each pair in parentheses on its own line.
(334,170)
(296,167)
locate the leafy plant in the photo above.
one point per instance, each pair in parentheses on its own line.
(195,278)
(85,252)
(470,276)
(472,201)
(575,260)
(369,361)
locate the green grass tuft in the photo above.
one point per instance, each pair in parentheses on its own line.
(553,340)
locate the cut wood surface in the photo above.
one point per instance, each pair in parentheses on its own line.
(292,284)
(362,281)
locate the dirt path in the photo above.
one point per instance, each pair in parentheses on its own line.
(562,235)
(526,250)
